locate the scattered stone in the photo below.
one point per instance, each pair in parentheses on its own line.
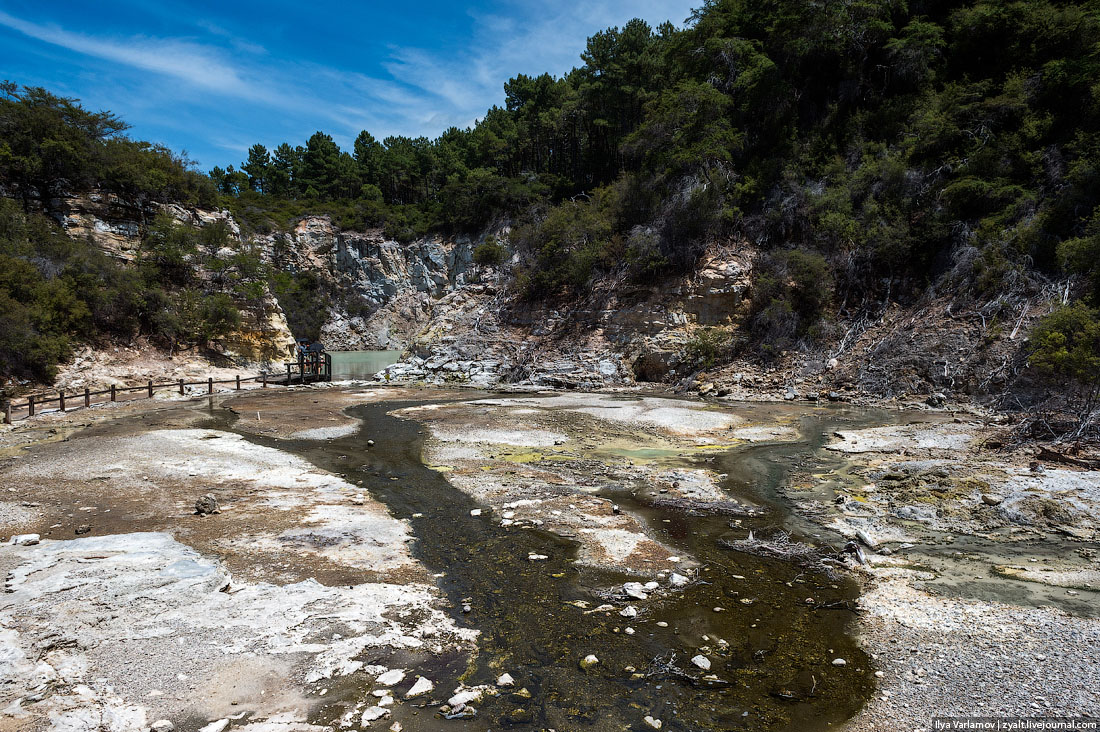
(162,725)
(839,662)
(678,580)
(370,443)
(82,529)
(462,712)
(652,723)
(702,662)
(207,505)
(992,499)
(629,612)
(25,539)
(880,674)
(537,557)
(523,693)
(475,512)
(466,696)
(628,631)
(505,681)
(396,727)
(467,608)
(635,590)
(391,677)
(386,701)
(936,400)
(589,661)
(218,726)
(373,714)
(662,624)
(868,541)
(421,687)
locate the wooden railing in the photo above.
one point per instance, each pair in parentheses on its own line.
(302,371)
(34,403)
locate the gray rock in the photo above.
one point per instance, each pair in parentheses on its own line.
(421,687)
(992,499)
(702,662)
(162,725)
(218,726)
(374,713)
(25,539)
(207,505)
(678,580)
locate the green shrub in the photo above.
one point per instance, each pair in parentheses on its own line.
(789,297)
(1066,345)
(489,253)
(706,348)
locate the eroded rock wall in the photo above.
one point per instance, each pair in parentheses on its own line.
(116,225)
(460,322)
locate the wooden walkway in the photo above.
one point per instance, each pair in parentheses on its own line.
(301,371)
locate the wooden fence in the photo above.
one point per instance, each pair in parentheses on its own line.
(301,371)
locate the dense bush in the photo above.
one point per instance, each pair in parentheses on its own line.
(1066,345)
(51,145)
(790,293)
(55,291)
(489,253)
(706,348)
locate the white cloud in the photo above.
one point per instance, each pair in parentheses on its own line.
(415,91)
(190,62)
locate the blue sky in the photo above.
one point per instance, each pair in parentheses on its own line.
(214,78)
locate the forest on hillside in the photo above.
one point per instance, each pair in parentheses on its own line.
(872,150)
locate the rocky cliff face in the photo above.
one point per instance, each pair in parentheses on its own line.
(393,286)
(459,322)
(116,226)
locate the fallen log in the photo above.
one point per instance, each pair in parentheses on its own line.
(1052,456)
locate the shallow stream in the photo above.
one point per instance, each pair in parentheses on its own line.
(777,671)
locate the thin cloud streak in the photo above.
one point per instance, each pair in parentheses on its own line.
(179,59)
(412,90)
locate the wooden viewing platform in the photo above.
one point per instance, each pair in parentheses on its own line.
(302,371)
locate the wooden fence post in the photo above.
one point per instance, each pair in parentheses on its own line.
(288,374)
(238,382)
(263,378)
(181,387)
(210,385)
(150,388)
(87,398)
(30,405)
(61,400)
(7,413)
(114,395)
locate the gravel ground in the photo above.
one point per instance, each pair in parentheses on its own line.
(949,657)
